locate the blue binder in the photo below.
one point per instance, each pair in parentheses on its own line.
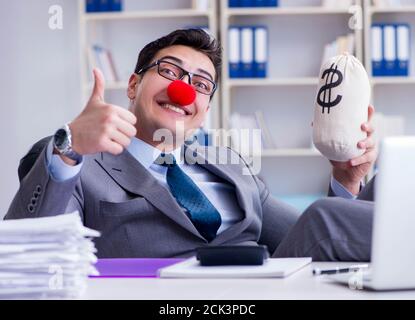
(402,49)
(260,51)
(233,4)
(116,5)
(91,5)
(272,3)
(261,3)
(246,3)
(104,5)
(377,49)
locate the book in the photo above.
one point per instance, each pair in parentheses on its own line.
(102,58)
(272,268)
(268,141)
(341,45)
(336,4)
(202,5)
(387,3)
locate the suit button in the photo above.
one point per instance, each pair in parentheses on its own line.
(30,208)
(36,195)
(38,188)
(33,201)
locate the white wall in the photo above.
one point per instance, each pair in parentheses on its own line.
(39,80)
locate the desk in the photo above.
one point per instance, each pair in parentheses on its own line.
(300,285)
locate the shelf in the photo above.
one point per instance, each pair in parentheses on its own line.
(284,11)
(310,81)
(294,152)
(402,9)
(392,80)
(146,14)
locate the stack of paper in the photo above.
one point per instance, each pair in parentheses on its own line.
(47,257)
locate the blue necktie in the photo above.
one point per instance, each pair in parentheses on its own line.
(202,213)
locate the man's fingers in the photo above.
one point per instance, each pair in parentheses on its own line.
(114,147)
(370,112)
(367,127)
(125,114)
(125,127)
(365,158)
(367,143)
(99,85)
(120,138)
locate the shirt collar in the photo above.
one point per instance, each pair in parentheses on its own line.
(146,154)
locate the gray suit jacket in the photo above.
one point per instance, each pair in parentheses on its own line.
(138,217)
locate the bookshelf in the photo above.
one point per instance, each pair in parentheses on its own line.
(392,95)
(297,31)
(125,33)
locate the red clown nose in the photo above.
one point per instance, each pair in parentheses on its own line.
(181,93)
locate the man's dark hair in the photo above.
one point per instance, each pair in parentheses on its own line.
(197,39)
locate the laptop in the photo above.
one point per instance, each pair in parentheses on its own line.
(393,241)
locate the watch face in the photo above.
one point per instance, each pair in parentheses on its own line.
(61,140)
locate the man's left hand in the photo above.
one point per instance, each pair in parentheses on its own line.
(351,173)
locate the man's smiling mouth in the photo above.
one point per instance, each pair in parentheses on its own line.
(166,105)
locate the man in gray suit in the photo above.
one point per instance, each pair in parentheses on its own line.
(105,164)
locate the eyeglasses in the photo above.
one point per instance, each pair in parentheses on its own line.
(173,72)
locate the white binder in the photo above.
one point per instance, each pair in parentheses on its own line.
(389,43)
(247,54)
(403,51)
(234,52)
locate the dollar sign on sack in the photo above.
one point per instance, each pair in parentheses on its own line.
(325,90)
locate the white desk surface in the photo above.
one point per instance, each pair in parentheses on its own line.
(300,285)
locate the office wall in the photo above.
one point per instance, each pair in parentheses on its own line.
(39,80)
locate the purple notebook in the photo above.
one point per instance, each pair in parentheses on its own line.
(131,268)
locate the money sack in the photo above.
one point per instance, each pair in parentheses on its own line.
(341,107)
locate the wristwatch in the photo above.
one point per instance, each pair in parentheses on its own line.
(62,141)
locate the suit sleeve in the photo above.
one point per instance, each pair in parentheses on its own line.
(366,193)
(277,218)
(41,195)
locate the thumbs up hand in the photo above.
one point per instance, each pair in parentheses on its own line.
(102,127)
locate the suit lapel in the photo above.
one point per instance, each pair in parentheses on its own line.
(133,177)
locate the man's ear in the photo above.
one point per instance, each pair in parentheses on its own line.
(132,85)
